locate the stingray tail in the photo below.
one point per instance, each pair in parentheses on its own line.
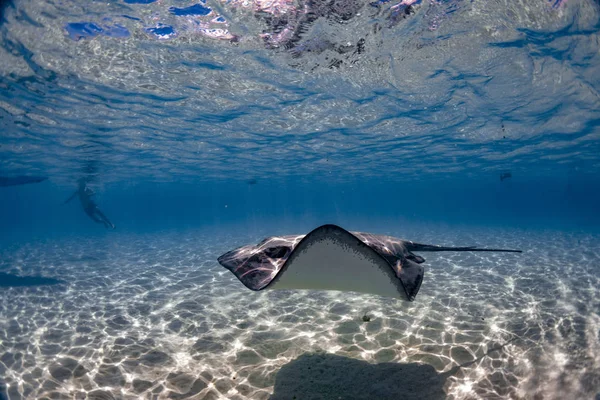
(411,246)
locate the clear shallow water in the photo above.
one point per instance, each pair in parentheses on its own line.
(151,316)
(388,120)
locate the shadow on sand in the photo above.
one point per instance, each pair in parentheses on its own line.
(327,376)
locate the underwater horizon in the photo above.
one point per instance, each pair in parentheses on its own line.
(142,140)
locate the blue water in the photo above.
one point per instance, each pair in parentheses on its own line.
(205,126)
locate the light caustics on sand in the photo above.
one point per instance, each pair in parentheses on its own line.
(331,258)
(154,316)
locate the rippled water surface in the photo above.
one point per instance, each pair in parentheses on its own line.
(149,88)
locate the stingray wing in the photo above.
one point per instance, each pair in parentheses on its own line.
(256,265)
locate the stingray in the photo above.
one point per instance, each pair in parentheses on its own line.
(331,258)
(11,280)
(20,180)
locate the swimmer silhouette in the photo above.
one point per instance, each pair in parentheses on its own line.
(89,205)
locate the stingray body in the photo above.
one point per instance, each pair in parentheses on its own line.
(331,258)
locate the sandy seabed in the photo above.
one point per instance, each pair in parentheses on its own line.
(155,317)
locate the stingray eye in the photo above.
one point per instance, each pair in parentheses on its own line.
(276,252)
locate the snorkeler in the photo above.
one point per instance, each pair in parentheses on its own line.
(88,204)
